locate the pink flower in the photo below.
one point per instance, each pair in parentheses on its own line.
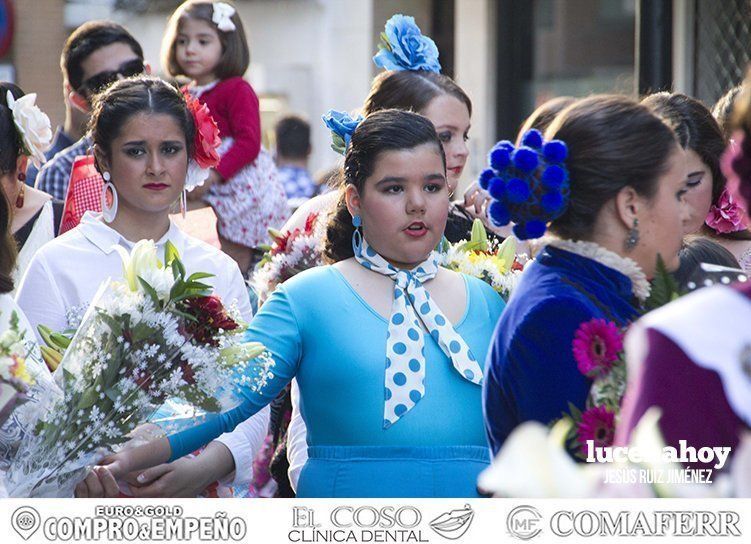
(726,215)
(597,344)
(597,424)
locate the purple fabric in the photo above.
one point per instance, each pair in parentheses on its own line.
(692,399)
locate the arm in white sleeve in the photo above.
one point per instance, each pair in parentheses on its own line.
(297,439)
(244,443)
(40,299)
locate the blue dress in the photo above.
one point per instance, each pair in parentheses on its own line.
(531,373)
(320,331)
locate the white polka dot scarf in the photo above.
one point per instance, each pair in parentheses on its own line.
(405,343)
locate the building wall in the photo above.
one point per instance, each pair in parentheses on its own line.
(38,39)
(307,56)
(475,64)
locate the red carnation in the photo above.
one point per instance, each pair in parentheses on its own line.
(210,317)
(310,223)
(206,140)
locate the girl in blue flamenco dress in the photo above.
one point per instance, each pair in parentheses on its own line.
(386,346)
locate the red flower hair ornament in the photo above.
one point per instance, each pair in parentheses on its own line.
(206,142)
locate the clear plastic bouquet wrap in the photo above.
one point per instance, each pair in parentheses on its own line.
(155,335)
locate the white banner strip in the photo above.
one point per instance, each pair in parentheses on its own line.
(283,521)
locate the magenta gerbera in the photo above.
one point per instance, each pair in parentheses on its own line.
(597,344)
(597,424)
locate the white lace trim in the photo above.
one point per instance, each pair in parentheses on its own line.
(640,286)
(197,90)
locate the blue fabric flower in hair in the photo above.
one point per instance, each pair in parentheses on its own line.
(528,184)
(403,47)
(342,126)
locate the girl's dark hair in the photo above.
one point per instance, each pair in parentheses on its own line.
(696,129)
(8,247)
(128,97)
(10,139)
(386,130)
(10,148)
(543,116)
(723,110)
(697,250)
(235,57)
(411,90)
(613,142)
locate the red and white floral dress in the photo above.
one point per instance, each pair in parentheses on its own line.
(251,199)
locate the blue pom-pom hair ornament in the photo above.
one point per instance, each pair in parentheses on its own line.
(528,184)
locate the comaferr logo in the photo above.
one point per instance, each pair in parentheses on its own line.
(524,522)
(662,523)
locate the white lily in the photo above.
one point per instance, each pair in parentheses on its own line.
(533,463)
(141,261)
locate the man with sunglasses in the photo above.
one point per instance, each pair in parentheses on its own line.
(95,55)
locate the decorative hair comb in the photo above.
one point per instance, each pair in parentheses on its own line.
(403,47)
(528,184)
(342,126)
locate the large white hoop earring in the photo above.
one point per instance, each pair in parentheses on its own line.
(183,202)
(109,211)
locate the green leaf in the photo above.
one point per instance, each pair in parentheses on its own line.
(199,276)
(664,287)
(479,235)
(114,325)
(89,398)
(170,253)
(151,292)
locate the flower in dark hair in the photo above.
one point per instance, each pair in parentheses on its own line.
(525,159)
(342,126)
(726,215)
(403,47)
(206,139)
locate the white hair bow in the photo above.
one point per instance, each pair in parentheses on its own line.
(222,17)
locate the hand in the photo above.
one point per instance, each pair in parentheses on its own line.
(186,477)
(102,480)
(182,478)
(476,202)
(198,192)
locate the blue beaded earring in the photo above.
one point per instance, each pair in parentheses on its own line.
(357,235)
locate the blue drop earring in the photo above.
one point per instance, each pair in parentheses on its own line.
(357,235)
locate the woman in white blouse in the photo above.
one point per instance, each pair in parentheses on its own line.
(16,419)
(143,134)
(34,216)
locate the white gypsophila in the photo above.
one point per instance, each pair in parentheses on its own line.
(161,279)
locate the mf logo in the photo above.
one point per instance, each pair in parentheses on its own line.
(524,522)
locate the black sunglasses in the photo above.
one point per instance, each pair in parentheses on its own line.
(97,83)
